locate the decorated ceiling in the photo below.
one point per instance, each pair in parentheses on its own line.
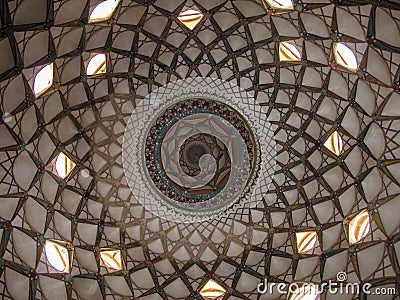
(326,76)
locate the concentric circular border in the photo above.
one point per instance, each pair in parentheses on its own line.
(165,96)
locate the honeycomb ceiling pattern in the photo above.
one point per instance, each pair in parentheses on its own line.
(146,47)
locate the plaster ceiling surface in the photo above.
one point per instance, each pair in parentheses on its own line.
(333,202)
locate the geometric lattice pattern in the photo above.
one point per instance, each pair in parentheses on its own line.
(152,133)
(84,117)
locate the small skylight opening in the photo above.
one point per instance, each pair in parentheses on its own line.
(6,117)
(212,290)
(97,65)
(57,255)
(359,227)
(190,17)
(278,4)
(111,259)
(64,165)
(303,291)
(288,52)
(43,80)
(306,241)
(334,143)
(85,173)
(345,57)
(103,11)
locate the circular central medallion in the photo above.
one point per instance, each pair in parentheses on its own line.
(197,148)
(194,149)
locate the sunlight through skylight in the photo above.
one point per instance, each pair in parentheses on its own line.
(111,259)
(57,256)
(103,11)
(288,52)
(334,143)
(64,165)
(190,18)
(279,4)
(97,65)
(43,80)
(359,227)
(212,290)
(303,291)
(306,241)
(345,57)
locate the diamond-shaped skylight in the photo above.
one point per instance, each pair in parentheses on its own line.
(190,17)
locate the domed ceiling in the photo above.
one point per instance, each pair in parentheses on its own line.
(325,74)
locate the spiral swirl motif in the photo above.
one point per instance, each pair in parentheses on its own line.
(341,276)
(193,150)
